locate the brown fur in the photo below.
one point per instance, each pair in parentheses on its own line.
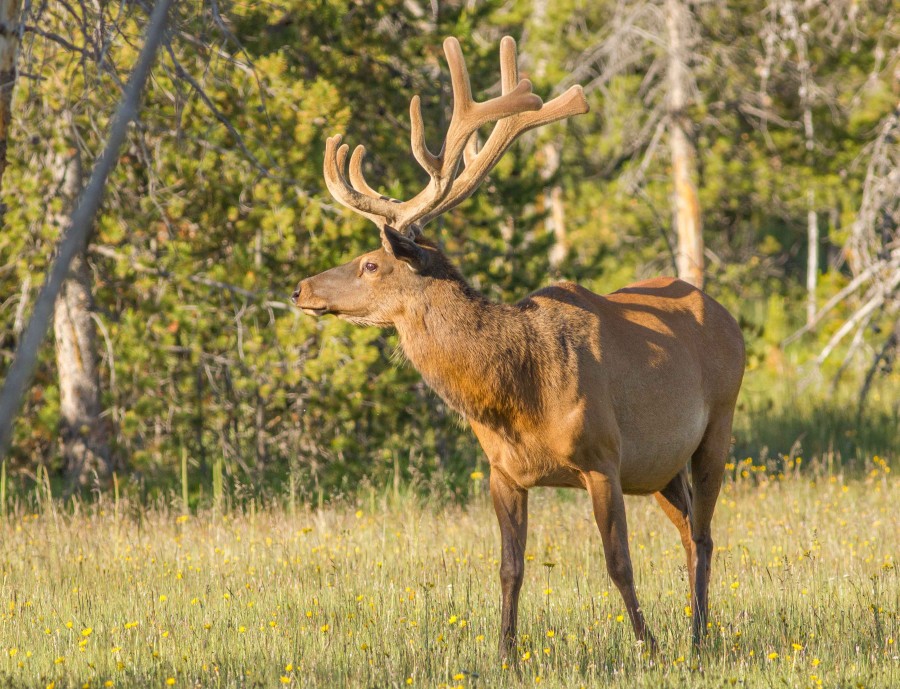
(613,394)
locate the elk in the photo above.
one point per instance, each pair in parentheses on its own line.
(615,394)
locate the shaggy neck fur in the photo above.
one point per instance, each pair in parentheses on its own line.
(476,354)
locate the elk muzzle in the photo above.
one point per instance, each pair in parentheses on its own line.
(305,298)
(334,291)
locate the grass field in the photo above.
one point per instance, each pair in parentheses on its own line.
(391,592)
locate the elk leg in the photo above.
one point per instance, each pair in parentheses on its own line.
(707,469)
(675,500)
(511,506)
(609,511)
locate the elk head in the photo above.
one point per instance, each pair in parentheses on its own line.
(373,288)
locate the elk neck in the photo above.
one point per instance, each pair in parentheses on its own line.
(478,355)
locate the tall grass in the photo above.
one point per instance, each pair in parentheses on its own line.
(805,593)
(784,418)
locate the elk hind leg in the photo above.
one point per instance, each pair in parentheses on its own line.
(707,470)
(675,500)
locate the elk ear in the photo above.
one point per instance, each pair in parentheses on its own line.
(404,249)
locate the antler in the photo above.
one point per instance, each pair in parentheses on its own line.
(516,110)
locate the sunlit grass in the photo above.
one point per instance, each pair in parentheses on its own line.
(805,593)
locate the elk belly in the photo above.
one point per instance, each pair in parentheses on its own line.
(650,458)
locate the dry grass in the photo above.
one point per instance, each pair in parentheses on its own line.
(805,593)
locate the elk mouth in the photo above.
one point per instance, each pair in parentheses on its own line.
(313,312)
(308,309)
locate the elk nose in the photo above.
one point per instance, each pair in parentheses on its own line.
(295,296)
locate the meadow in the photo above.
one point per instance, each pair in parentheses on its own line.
(394,591)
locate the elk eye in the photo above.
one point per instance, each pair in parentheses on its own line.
(370,267)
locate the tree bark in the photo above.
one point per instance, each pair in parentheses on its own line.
(686,211)
(9,51)
(83,434)
(812,257)
(553,201)
(560,249)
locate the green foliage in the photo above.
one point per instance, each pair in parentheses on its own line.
(209,232)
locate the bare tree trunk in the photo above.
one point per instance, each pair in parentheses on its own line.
(797,34)
(9,51)
(560,249)
(812,258)
(260,431)
(553,201)
(82,432)
(22,307)
(689,256)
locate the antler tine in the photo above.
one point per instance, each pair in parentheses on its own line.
(426,158)
(509,66)
(570,103)
(509,79)
(365,201)
(467,117)
(459,78)
(516,110)
(358,180)
(471,149)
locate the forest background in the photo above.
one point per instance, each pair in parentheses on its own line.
(751,145)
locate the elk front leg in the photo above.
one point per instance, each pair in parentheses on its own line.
(609,511)
(511,505)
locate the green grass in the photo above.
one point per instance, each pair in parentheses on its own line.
(402,592)
(798,414)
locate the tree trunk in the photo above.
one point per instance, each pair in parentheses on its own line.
(686,211)
(560,249)
(553,202)
(812,257)
(83,434)
(9,51)
(797,34)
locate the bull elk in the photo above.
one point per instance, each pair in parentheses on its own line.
(615,394)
